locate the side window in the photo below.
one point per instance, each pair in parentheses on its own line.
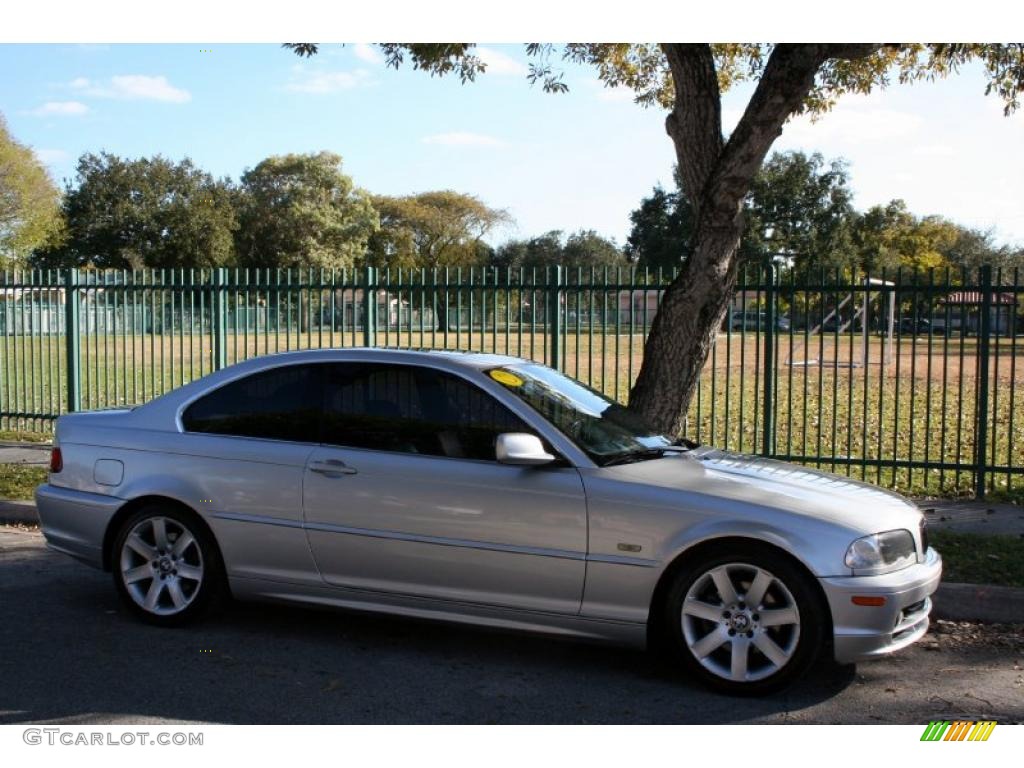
(279,404)
(410,409)
(371,406)
(466,420)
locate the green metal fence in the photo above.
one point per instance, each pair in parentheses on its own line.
(908,380)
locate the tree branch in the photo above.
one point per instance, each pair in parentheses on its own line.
(787,80)
(695,122)
(850,51)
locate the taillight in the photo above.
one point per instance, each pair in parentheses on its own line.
(56,460)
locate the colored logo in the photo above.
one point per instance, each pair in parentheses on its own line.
(958,730)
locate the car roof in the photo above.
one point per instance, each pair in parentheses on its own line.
(465,358)
(163,409)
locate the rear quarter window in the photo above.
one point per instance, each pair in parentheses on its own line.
(279,404)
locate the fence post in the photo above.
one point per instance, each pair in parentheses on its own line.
(981,401)
(768,421)
(72,305)
(220,318)
(554,302)
(370,308)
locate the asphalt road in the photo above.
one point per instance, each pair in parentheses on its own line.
(69,653)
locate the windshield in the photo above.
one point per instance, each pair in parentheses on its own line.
(603,428)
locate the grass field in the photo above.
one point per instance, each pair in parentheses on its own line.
(980,559)
(21,436)
(18,481)
(836,404)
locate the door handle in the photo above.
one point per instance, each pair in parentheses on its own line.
(332,467)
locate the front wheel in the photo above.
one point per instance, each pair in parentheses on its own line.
(166,566)
(744,621)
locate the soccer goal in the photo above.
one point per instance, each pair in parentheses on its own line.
(841,339)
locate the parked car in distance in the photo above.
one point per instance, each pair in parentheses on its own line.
(939,325)
(752,319)
(910,326)
(834,323)
(483,489)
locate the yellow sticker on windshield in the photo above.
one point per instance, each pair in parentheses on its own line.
(506,378)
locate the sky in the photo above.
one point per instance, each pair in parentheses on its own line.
(579,160)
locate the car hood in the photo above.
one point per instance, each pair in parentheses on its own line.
(795,489)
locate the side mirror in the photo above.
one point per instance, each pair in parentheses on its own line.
(521,449)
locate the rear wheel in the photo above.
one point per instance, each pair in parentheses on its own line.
(744,621)
(166,566)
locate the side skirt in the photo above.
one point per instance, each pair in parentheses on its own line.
(618,632)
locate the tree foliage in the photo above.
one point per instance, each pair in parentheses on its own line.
(30,214)
(798,212)
(645,69)
(302,211)
(150,212)
(662,230)
(584,249)
(973,248)
(889,236)
(432,229)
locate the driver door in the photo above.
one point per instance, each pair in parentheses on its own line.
(405,496)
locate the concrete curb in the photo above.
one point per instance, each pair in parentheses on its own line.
(979,602)
(23,512)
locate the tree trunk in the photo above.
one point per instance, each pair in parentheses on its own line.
(684,330)
(441,311)
(716,176)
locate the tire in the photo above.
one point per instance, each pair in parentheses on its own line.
(731,645)
(166,566)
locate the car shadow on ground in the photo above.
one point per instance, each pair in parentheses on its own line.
(74,654)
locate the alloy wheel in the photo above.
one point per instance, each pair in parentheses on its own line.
(161,565)
(740,622)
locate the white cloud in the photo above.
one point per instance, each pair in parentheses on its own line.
(144,87)
(61,109)
(934,150)
(313,81)
(367,53)
(133,87)
(463,139)
(619,93)
(855,120)
(51,156)
(499,63)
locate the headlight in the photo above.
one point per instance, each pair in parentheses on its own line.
(891,550)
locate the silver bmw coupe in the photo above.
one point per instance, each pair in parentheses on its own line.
(483,489)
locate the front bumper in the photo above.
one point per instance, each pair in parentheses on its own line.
(75,522)
(867,632)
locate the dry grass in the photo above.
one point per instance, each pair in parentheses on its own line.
(18,481)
